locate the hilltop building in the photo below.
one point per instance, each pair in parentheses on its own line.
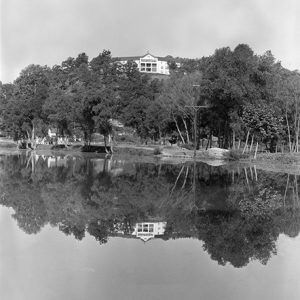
(148,63)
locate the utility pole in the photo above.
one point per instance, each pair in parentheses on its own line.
(196,108)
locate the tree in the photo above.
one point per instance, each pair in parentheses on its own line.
(23,111)
(105,68)
(287,95)
(265,123)
(131,85)
(158,119)
(57,107)
(135,114)
(6,94)
(178,96)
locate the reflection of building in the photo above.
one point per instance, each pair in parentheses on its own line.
(100,165)
(56,161)
(148,230)
(148,63)
(107,165)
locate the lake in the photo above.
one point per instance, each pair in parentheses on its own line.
(98,228)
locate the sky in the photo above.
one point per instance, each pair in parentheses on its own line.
(46,32)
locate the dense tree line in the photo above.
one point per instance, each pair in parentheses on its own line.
(247,96)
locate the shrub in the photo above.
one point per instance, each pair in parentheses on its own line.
(76,147)
(7,145)
(58,147)
(95,149)
(284,158)
(157,151)
(188,146)
(234,154)
(127,139)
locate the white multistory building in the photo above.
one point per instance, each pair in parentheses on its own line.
(148,63)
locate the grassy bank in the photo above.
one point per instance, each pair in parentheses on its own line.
(278,162)
(7,143)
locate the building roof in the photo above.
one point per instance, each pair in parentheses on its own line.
(123,58)
(127,58)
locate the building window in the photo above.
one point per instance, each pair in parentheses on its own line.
(154,68)
(150,67)
(140,228)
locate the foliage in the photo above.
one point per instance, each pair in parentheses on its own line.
(127,138)
(23,107)
(236,154)
(157,151)
(283,158)
(264,122)
(187,146)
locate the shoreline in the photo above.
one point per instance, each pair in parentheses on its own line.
(271,162)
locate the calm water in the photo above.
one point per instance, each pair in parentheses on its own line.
(82,228)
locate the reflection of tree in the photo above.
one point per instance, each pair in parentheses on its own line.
(30,211)
(237,215)
(100,230)
(78,232)
(290,223)
(18,193)
(229,237)
(64,207)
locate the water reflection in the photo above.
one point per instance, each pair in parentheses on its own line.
(238,213)
(148,230)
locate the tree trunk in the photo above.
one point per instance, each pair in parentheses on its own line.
(32,140)
(209,141)
(185,178)
(112,142)
(296,124)
(255,172)
(186,130)
(105,141)
(233,139)
(246,144)
(159,133)
(246,176)
(219,136)
(251,143)
(289,132)
(296,188)
(256,148)
(177,127)
(198,139)
(286,189)
(297,134)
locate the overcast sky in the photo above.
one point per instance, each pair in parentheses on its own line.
(46,32)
